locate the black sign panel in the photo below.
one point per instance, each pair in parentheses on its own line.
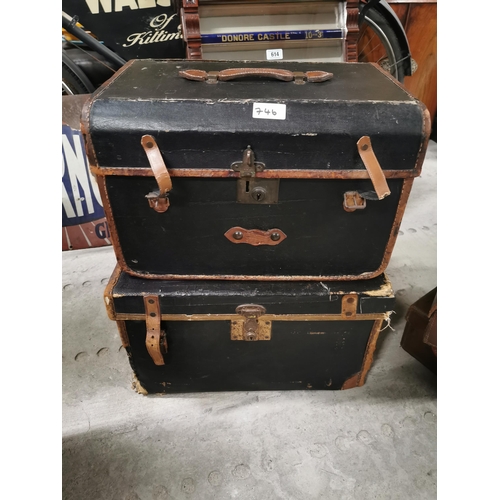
(134,29)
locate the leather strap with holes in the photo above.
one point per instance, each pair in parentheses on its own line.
(153,328)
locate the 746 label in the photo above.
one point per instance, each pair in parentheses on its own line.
(269,111)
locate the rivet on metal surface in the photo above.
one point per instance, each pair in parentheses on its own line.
(237,235)
(275,236)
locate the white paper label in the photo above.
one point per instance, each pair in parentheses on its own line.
(274,54)
(269,111)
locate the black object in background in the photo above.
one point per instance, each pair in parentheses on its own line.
(134,29)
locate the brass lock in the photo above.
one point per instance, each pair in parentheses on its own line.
(251,327)
(251,189)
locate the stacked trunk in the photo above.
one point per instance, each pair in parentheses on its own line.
(253,212)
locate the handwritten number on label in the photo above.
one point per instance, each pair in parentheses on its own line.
(271,111)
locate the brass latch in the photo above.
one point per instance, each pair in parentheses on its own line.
(251,327)
(251,189)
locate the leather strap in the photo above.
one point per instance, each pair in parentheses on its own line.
(373,167)
(153,329)
(157,164)
(234,73)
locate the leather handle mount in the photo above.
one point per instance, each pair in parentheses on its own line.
(158,200)
(235,73)
(255,237)
(357,201)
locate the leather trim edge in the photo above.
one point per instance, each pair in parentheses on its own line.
(108,293)
(267,174)
(108,212)
(403,200)
(122,331)
(370,351)
(239,277)
(351,382)
(427,122)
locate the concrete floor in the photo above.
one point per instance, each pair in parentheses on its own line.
(373,442)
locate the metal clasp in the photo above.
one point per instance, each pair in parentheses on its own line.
(353,201)
(248,166)
(252,189)
(158,202)
(251,328)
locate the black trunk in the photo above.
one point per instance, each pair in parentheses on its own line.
(311,158)
(313,336)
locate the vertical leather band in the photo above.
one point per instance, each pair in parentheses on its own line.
(153,329)
(158,200)
(157,164)
(373,167)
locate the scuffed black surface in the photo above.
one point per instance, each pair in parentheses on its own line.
(197,125)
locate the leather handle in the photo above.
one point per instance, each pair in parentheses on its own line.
(232,74)
(157,200)
(373,167)
(235,73)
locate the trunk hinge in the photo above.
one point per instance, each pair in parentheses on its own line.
(156,340)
